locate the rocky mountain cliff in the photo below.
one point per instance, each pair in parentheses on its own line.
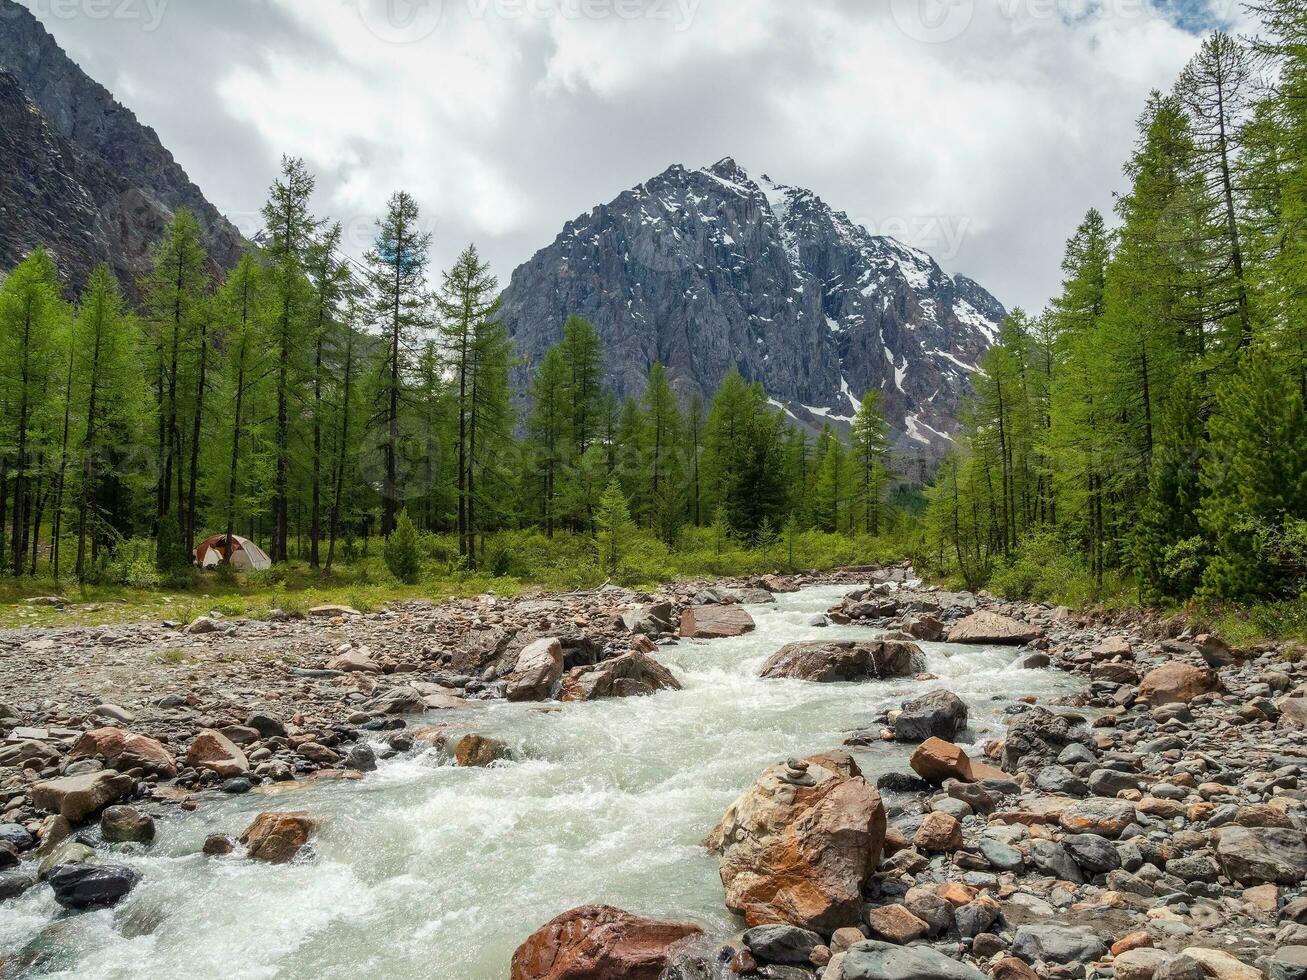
(78,172)
(708,269)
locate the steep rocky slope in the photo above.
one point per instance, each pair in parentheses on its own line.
(708,269)
(78,171)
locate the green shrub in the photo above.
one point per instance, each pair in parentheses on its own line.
(402,554)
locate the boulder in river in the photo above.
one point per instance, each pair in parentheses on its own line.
(845,660)
(715,621)
(479,751)
(124,750)
(77,797)
(630,675)
(278,837)
(126,824)
(539,668)
(1176,683)
(81,887)
(939,714)
(990,627)
(798,845)
(599,942)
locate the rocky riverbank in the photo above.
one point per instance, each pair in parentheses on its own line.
(1150,826)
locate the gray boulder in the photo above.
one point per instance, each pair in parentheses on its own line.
(872,960)
(1057,944)
(782,943)
(939,714)
(81,887)
(1262,855)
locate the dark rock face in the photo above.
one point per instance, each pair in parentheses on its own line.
(941,714)
(705,270)
(78,172)
(87,886)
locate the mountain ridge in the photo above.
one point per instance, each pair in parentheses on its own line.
(96,183)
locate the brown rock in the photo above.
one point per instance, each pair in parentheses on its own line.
(598,942)
(216,752)
(938,832)
(77,797)
(716,620)
(278,837)
(989,627)
(1106,818)
(1011,968)
(352,661)
(800,854)
(125,750)
(480,751)
(844,660)
(1134,940)
(936,760)
(539,668)
(633,674)
(895,924)
(1176,683)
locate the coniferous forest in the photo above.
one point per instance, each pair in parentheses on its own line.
(1142,438)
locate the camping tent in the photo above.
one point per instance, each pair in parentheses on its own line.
(244,553)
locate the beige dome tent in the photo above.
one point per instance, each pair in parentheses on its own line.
(244,553)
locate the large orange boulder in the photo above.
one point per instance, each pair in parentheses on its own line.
(278,837)
(936,760)
(714,621)
(598,942)
(1176,683)
(798,844)
(125,750)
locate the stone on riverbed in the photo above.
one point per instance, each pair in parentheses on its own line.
(76,797)
(797,846)
(845,660)
(124,750)
(598,942)
(539,668)
(939,714)
(1176,683)
(1262,855)
(715,621)
(989,627)
(216,752)
(872,960)
(278,837)
(936,760)
(126,824)
(631,675)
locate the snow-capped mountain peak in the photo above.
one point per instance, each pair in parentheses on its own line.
(709,268)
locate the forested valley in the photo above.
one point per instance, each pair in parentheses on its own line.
(1141,440)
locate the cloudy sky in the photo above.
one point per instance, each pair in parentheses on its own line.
(979,130)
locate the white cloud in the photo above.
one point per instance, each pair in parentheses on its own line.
(1000,121)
